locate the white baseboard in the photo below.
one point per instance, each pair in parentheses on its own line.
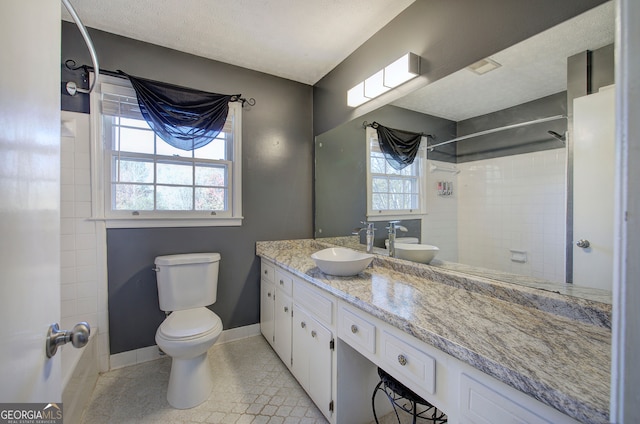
(239,333)
(150,353)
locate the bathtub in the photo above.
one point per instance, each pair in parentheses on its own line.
(79,376)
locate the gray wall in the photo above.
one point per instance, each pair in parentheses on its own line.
(277,185)
(341,169)
(448,35)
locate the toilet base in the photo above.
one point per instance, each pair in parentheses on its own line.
(190,382)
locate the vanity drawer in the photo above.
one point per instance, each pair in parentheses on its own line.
(357,331)
(482,404)
(267,271)
(312,300)
(284,281)
(405,361)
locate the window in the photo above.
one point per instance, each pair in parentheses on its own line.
(392,192)
(146,180)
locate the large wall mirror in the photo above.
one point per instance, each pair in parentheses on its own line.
(518,175)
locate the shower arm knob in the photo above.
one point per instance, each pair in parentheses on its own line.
(78,336)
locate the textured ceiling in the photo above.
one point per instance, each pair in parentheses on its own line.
(301,40)
(532,69)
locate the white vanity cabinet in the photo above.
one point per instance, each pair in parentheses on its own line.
(303,322)
(328,342)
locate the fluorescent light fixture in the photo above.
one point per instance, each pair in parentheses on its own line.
(374,85)
(402,70)
(395,74)
(355,96)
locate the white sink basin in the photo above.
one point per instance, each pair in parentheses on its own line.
(423,253)
(341,261)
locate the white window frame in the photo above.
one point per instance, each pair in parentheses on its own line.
(101,178)
(383,215)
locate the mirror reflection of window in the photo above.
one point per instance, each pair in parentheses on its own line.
(393,192)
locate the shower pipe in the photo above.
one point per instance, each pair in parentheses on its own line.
(71,86)
(493,130)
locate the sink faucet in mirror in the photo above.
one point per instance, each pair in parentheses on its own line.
(393,227)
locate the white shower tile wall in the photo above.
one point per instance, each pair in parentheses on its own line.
(82,298)
(440,226)
(514,203)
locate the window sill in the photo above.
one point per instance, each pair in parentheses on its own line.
(169,222)
(386,216)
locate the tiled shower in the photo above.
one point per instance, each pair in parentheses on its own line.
(505,213)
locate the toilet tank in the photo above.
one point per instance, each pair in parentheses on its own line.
(187,281)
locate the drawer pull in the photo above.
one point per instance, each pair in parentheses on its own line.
(354,328)
(313,333)
(286,309)
(303,324)
(402,360)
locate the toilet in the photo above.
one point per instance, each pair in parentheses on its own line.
(187,284)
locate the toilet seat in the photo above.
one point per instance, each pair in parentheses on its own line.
(190,324)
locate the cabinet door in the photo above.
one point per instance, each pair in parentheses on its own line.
(267,305)
(320,367)
(312,358)
(300,347)
(282,327)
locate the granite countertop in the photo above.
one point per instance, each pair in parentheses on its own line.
(554,348)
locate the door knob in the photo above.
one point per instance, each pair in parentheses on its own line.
(583,243)
(78,336)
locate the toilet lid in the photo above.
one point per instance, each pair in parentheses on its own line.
(190,323)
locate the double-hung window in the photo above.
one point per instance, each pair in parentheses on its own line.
(392,192)
(148,182)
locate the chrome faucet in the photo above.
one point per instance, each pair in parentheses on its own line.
(393,227)
(370,229)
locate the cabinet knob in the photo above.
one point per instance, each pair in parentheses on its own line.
(303,324)
(313,333)
(354,328)
(286,309)
(402,360)
(281,282)
(269,294)
(265,272)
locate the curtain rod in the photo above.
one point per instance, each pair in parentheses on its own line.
(375,125)
(494,130)
(71,65)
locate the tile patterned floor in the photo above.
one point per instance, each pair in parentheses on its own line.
(251,385)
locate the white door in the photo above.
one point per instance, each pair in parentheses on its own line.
(29,199)
(593,189)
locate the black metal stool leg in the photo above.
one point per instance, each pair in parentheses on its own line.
(405,399)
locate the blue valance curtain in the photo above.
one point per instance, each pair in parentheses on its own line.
(185,118)
(399,147)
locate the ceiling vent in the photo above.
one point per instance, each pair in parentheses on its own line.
(483,66)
